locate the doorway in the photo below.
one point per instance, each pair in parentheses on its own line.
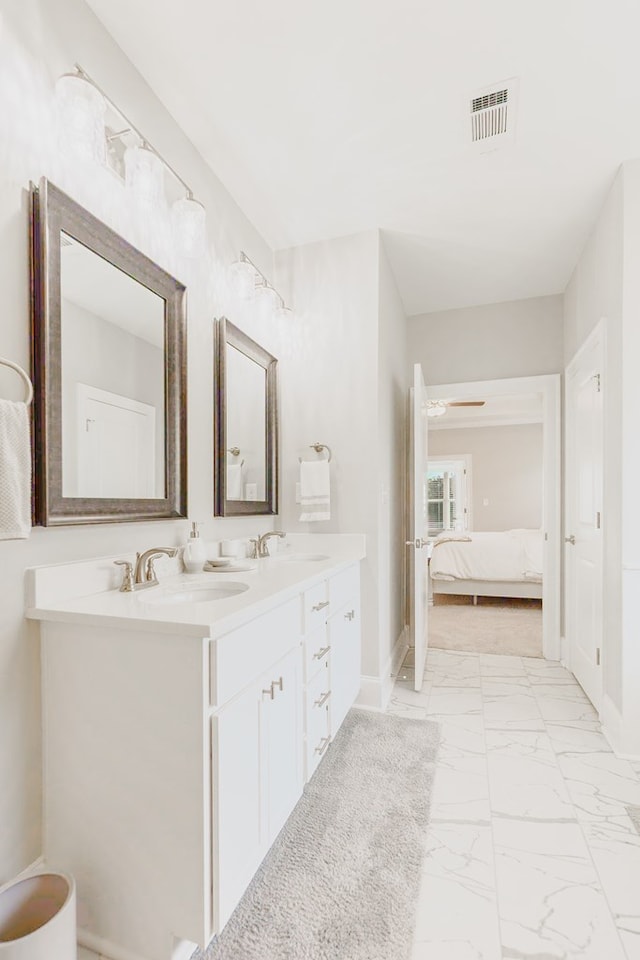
(536,536)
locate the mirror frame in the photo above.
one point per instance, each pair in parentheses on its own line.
(53,212)
(226,334)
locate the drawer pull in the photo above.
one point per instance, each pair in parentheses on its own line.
(322,699)
(350,615)
(320,606)
(322,746)
(319,654)
(271,692)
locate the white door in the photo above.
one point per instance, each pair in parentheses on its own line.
(416,543)
(116,445)
(281,726)
(583,511)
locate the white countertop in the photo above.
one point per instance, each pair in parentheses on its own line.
(271,582)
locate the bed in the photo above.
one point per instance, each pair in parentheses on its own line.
(502,564)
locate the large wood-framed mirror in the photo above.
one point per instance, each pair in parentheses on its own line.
(246,425)
(109,366)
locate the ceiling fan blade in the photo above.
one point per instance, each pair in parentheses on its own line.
(466,403)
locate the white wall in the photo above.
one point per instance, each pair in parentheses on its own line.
(520,338)
(39,40)
(391,440)
(330,369)
(506,470)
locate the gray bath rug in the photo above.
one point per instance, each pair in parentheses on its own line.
(341,881)
(634,816)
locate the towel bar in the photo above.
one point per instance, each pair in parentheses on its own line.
(23,375)
(319,447)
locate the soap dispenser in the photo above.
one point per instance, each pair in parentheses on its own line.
(194,554)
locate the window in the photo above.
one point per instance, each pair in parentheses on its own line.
(447,494)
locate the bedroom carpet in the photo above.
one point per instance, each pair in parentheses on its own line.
(493,626)
(342,880)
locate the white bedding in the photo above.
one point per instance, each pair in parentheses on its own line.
(511,555)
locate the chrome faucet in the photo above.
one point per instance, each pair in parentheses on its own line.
(260,545)
(143,575)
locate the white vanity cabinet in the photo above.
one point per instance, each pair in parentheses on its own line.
(256,742)
(176,749)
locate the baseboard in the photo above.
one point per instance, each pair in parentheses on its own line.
(623,736)
(375,692)
(104,948)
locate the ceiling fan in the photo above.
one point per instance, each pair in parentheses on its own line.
(436,408)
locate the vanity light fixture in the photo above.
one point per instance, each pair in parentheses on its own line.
(82,109)
(247,273)
(436,408)
(83,105)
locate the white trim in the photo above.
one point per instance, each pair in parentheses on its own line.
(475,424)
(549,387)
(375,692)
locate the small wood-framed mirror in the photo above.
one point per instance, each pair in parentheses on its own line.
(109,365)
(246,425)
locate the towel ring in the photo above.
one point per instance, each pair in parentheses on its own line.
(319,447)
(21,373)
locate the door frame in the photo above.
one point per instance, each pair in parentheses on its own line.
(549,386)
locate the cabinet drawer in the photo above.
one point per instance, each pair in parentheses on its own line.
(318,738)
(344,587)
(316,652)
(241,656)
(317,696)
(316,606)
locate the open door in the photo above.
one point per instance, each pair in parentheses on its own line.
(416,543)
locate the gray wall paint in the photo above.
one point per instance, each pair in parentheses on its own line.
(521,338)
(506,469)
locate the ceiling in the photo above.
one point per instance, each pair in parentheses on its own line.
(331,118)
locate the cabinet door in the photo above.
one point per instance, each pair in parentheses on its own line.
(344,637)
(283,740)
(239,835)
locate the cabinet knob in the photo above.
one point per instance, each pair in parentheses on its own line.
(322,699)
(320,606)
(275,684)
(270,692)
(322,746)
(350,615)
(319,654)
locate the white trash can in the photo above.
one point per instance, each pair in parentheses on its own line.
(38,918)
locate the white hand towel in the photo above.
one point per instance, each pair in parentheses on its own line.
(315,485)
(15,471)
(235,481)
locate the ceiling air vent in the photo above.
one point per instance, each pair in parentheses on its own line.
(493,114)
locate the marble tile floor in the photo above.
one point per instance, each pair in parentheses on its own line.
(531,854)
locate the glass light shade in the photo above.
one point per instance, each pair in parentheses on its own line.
(82,110)
(144,176)
(436,408)
(244,279)
(189,225)
(268,295)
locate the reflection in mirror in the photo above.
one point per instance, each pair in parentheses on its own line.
(109,365)
(112,346)
(246,425)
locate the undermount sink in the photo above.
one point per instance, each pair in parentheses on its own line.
(301,557)
(195,593)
